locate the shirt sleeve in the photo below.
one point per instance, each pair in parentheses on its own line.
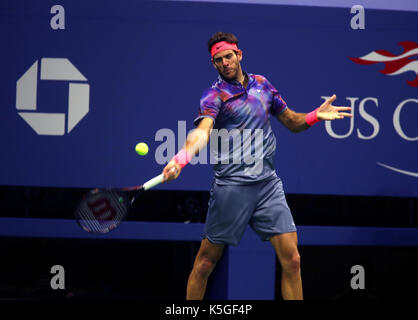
(278,105)
(210,104)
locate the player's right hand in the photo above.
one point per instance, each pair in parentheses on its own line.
(171,171)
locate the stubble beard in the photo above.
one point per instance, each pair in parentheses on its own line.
(232,75)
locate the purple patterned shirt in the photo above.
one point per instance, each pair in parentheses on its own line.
(242,142)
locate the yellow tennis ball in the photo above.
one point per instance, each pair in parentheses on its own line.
(141,149)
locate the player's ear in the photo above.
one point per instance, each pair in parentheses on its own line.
(213,63)
(239,54)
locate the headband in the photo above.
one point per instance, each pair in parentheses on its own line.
(221,46)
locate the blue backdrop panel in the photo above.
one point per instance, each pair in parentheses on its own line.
(146,65)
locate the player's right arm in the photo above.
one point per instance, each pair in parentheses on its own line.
(196,140)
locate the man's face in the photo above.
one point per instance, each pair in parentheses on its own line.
(227,63)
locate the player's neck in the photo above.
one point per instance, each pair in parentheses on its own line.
(241,78)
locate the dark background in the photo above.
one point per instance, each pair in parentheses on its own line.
(122,269)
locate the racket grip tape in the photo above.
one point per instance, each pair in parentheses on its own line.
(153,182)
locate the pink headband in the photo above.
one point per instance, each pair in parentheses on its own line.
(221,46)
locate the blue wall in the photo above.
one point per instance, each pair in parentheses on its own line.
(146,65)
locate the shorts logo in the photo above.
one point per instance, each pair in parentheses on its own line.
(394,65)
(59,69)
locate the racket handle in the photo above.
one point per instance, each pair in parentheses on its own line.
(153,182)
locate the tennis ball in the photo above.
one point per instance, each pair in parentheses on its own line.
(141,149)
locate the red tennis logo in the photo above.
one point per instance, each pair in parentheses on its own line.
(394,64)
(102,210)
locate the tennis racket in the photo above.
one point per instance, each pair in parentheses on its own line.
(102,210)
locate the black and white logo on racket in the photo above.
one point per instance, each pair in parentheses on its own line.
(60,69)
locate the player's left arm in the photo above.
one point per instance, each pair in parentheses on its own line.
(297,122)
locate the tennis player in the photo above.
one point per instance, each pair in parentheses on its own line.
(245,193)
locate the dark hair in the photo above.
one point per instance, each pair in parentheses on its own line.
(222,36)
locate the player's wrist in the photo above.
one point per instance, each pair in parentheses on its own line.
(182,158)
(312,118)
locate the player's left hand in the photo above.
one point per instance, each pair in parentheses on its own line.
(329,112)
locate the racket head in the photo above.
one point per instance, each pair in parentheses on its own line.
(101,211)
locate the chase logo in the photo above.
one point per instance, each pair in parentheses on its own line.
(60,69)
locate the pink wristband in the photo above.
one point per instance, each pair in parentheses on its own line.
(182,158)
(311,118)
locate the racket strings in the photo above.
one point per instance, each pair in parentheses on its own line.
(102,211)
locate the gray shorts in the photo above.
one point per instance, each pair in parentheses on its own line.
(261,205)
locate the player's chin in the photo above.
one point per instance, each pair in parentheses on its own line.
(229,75)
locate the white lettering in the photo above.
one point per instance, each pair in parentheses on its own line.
(369,119)
(397,123)
(58,280)
(165,151)
(357,282)
(328,127)
(58,20)
(358,21)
